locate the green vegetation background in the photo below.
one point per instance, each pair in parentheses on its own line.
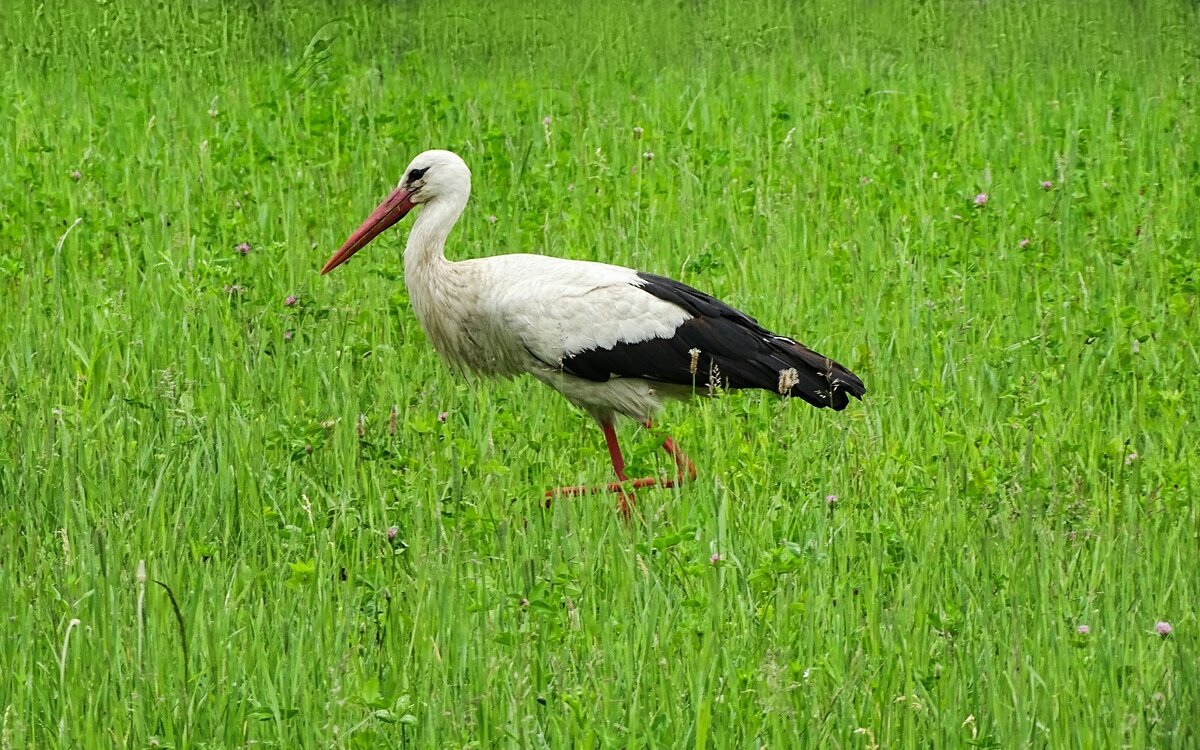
(865,176)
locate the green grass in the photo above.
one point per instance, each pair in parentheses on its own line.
(1025,461)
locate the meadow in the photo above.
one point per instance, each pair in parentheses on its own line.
(243,505)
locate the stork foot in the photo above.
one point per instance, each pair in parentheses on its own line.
(685,471)
(625,498)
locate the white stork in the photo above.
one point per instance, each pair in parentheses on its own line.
(612,340)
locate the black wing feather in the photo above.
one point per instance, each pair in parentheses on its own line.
(734,352)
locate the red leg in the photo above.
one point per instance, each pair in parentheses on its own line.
(624,499)
(685,471)
(614,450)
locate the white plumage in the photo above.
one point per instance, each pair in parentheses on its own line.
(610,339)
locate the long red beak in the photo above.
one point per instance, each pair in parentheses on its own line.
(392,210)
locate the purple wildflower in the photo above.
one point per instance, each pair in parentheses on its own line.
(1082,629)
(1163,628)
(715,558)
(244,248)
(981,199)
(831,500)
(287,335)
(290,301)
(76,175)
(1024,243)
(234,289)
(1047,185)
(392,532)
(443,416)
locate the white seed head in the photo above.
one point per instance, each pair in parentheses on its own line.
(714,379)
(787,380)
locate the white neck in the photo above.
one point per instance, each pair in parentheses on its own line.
(427,240)
(433,282)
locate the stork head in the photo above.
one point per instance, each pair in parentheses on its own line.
(433,175)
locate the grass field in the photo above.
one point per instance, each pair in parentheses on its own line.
(988,210)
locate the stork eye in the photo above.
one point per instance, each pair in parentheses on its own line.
(416,174)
